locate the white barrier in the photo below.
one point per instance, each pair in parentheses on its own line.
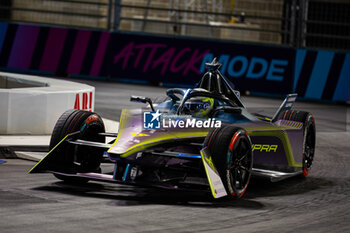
(35,110)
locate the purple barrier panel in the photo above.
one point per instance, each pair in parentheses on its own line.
(79,51)
(100,53)
(23,47)
(53,49)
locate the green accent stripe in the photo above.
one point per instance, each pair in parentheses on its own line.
(207,173)
(161,140)
(123,122)
(33,168)
(153,141)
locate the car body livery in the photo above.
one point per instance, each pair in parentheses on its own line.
(195,139)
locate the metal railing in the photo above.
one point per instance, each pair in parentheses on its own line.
(299,23)
(326,24)
(183,20)
(89,14)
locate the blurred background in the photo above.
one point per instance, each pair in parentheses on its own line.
(301,23)
(309,39)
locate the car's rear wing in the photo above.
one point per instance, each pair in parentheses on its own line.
(286,105)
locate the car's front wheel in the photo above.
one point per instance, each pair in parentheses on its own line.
(231,151)
(72,158)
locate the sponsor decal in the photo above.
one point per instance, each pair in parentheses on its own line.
(251,68)
(264,148)
(83,101)
(210,162)
(159,56)
(154,120)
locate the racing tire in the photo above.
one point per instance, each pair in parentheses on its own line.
(71,158)
(231,152)
(309,143)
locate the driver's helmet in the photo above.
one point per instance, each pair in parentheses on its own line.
(200,106)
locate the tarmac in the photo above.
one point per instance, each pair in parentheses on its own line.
(318,203)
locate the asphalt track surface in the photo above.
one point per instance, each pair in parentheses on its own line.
(319,203)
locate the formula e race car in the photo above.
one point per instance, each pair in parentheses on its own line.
(195,139)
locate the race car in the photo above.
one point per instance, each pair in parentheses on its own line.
(202,138)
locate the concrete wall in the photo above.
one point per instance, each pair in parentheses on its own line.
(35,110)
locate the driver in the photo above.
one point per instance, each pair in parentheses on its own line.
(200,106)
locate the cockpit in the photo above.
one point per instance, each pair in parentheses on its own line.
(213,96)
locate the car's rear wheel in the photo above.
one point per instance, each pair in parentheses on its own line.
(309,136)
(72,158)
(230,148)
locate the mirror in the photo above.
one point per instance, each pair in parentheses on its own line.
(142,99)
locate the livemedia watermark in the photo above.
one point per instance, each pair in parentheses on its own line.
(155,120)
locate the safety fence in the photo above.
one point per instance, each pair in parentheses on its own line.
(297,23)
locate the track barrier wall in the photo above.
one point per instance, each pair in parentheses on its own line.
(35,109)
(262,69)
